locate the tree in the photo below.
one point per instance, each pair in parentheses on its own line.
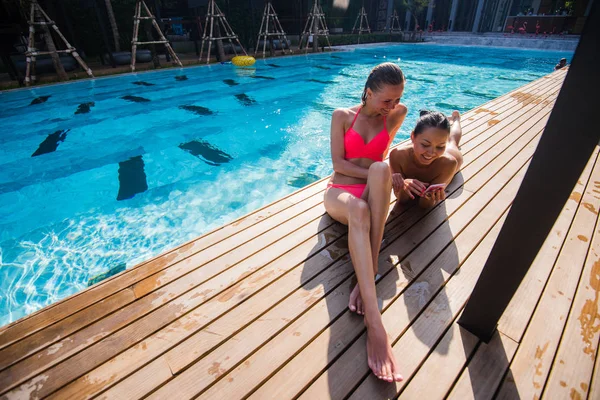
(113,24)
(416,7)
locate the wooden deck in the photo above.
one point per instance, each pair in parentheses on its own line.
(258,308)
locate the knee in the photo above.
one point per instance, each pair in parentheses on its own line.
(360,214)
(381,172)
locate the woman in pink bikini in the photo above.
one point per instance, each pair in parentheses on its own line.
(358,195)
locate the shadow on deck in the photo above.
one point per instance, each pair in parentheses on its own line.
(258,307)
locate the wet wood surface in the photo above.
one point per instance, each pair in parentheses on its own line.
(258,308)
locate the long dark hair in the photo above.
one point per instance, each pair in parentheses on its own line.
(384,74)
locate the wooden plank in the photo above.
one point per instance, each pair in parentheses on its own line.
(439,371)
(43,339)
(166,305)
(78,301)
(299,367)
(66,327)
(211,335)
(57,311)
(61,310)
(595,386)
(573,365)
(157,370)
(491,108)
(307,328)
(480,382)
(105,373)
(485,370)
(520,103)
(534,357)
(413,345)
(518,313)
(485,117)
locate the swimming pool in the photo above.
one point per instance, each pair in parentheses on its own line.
(100,175)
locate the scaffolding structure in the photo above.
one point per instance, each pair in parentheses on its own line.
(137,17)
(214,12)
(361,21)
(315,27)
(395,23)
(39,18)
(270,20)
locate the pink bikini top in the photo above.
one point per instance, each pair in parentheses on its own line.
(355,146)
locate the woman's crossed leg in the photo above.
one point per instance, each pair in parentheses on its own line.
(366,218)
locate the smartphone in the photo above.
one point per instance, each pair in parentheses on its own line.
(433,188)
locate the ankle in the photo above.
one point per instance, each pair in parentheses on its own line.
(373,319)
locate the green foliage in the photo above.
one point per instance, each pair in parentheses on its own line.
(570,6)
(416,7)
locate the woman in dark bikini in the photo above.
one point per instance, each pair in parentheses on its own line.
(358,195)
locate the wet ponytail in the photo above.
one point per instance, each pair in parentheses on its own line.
(384,74)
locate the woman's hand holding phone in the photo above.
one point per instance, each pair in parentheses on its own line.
(414,187)
(435,192)
(435,187)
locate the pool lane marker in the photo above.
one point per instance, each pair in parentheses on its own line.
(245,99)
(230,82)
(198,110)
(84,108)
(132,178)
(208,153)
(181,78)
(320,81)
(39,100)
(50,144)
(142,83)
(135,99)
(270,78)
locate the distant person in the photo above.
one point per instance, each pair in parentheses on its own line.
(561,64)
(358,195)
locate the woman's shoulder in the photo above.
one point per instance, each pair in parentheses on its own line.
(345,114)
(350,111)
(444,165)
(401,152)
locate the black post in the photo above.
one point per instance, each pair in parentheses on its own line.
(104,36)
(566,145)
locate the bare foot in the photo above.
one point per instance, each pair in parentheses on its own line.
(455,132)
(380,355)
(454,117)
(355,303)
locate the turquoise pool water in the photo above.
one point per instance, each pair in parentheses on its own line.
(100,175)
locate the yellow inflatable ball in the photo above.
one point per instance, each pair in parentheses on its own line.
(243,61)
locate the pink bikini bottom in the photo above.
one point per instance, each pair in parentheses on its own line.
(356,190)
